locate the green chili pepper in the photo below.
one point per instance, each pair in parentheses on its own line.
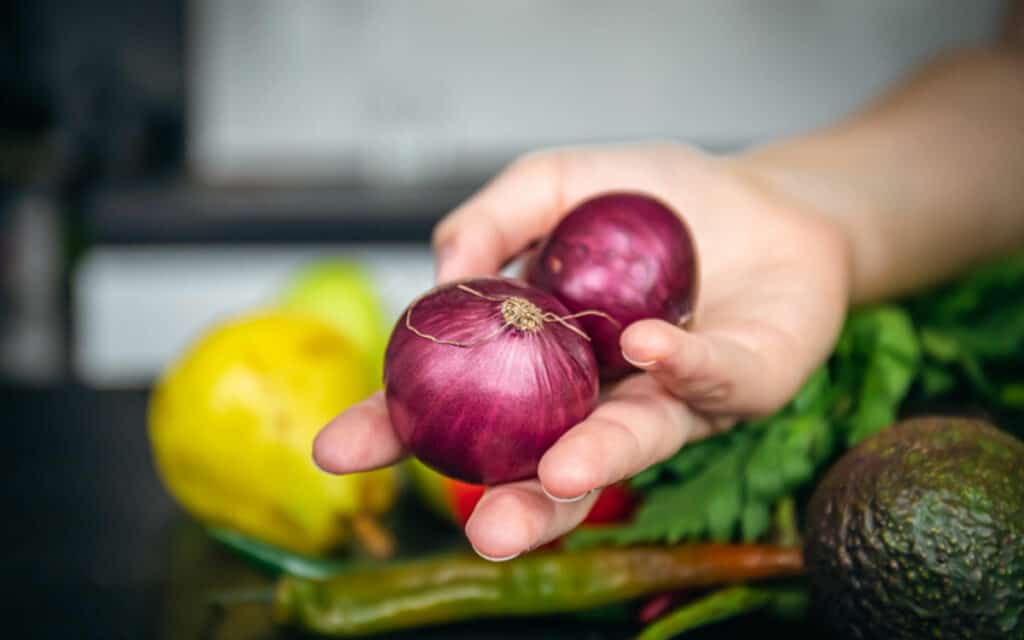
(461,587)
(716,606)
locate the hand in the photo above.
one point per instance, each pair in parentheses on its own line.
(774,286)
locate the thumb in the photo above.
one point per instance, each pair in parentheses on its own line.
(714,372)
(517,207)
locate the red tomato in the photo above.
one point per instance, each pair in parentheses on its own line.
(615,503)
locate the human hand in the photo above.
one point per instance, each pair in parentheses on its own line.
(774,287)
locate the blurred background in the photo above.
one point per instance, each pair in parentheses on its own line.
(167,162)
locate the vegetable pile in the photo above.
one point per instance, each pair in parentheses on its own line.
(956,346)
(482,376)
(953,350)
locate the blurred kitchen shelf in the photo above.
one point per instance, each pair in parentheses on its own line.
(194,214)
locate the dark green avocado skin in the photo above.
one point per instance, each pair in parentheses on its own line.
(918,532)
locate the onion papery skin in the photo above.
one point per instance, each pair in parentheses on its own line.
(625,254)
(487,412)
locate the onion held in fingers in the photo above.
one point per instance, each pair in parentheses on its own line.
(482,376)
(626,254)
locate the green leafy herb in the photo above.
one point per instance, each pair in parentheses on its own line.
(972,337)
(876,359)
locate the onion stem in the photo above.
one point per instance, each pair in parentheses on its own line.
(518,312)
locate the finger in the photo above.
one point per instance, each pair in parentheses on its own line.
(640,425)
(520,205)
(713,371)
(359,439)
(514,518)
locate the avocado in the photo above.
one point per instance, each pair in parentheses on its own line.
(918,532)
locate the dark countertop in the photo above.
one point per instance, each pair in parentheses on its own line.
(88,519)
(92,547)
(188,213)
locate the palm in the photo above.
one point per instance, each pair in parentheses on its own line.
(772,293)
(772,278)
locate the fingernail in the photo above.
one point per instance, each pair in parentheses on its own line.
(564,500)
(492,558)
(443,260)
(639,364)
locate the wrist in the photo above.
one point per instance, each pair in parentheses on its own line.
(803,178)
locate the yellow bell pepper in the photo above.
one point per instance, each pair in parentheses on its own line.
(232,424)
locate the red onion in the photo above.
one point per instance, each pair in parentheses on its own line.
(483,376)
(626,254)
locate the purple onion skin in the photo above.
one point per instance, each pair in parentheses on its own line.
(626,254)
(486,413)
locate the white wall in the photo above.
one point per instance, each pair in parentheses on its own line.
(390,89)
